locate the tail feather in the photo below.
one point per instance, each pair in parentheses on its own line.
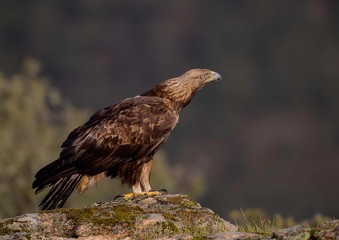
(59,193)
(43,181)
(51,174)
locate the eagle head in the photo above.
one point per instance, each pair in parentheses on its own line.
(180,90)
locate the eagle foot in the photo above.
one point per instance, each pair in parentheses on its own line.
(132,196)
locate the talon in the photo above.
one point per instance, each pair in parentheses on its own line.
(130,196)
(163,191)
(159,192)
(119,196)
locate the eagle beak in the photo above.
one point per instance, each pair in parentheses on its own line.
(214,77)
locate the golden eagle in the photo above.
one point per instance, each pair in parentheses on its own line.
(120,140)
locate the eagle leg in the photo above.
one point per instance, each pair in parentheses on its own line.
(145,177)
(142,188)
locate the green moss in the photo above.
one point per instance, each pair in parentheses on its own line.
(181,200)
(127,212)
(107,216)
(172,227)
(76,215)
(199,223)
(191,223)
(167,216)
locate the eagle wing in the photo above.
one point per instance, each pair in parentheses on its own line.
(132,130)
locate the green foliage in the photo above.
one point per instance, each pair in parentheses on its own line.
(34,119)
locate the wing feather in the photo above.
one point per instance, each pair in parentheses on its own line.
(130,130)
(132,134)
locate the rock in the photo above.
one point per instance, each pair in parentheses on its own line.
(234,235)
(160,217)
(296,232)
(328,230)
(166,217)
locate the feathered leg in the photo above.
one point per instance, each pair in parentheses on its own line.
(143,187)
(146,176)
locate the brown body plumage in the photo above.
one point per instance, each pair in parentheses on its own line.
(120,140)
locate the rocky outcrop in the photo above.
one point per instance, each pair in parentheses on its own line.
(166,216)
(160,217)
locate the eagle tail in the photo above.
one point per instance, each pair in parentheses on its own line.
(59,193)
(51,174)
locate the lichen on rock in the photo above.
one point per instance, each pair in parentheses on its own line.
(167,217)
(141,218)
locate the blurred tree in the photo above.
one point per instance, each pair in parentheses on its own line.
(34,119)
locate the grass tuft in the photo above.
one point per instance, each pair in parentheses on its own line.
(263,226)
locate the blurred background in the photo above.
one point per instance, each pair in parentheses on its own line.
(265,138)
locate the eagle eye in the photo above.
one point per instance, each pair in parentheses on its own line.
(204,76)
